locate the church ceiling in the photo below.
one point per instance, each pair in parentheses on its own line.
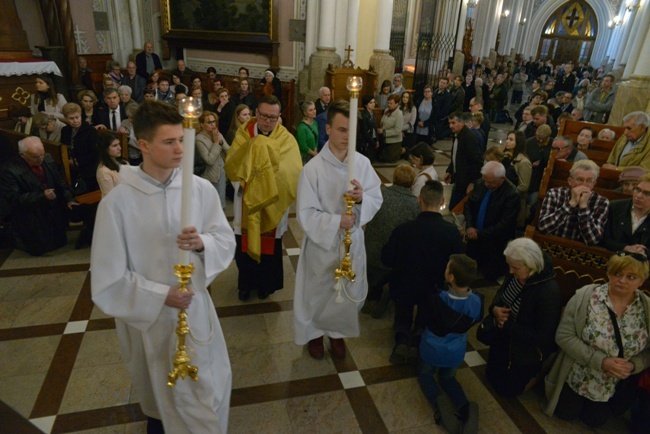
(613,5)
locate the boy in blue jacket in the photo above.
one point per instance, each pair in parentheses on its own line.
(449,315)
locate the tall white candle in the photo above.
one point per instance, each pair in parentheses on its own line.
(186,193)
(354,85)
(352,140)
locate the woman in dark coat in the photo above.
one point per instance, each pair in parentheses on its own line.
(367,142)
(81,139)
(526,312)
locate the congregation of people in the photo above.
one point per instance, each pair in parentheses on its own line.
(591,354)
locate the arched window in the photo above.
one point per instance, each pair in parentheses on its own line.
(569,33)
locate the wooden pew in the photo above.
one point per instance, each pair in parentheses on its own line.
(569,127)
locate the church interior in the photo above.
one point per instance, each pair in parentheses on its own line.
(61,365)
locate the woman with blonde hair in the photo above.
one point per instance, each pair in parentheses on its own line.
(87,100)
(603,340)
(211,147)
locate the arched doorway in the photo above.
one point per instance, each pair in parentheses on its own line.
(569,33)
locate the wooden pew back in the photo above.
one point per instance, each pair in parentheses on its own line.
(569,127)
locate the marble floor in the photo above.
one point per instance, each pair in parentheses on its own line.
(61,370)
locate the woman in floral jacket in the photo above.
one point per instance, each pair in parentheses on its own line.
(603,337)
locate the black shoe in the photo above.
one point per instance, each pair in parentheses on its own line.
(437,415)
(399,354)
(244,294)
(154,426)
(263,294)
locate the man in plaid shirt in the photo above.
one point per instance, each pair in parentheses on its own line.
(576,212)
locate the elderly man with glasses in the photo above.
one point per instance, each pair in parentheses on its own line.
(263,164)
(576,212)
(633,147)
(566,151)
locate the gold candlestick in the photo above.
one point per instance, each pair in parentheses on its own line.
(182,367)
(345,269)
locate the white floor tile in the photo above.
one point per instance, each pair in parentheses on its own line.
(45,424)
(75,327)
(352,379)
(473,358)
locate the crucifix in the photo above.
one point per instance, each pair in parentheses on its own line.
(348,63)
(573,18)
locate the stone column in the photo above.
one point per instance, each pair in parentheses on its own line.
(643,28)
(325,50)
(136,28)
(311,35)
(353,27)
(483,25)
(459,57)
(625,39)
(381,60)
(340,27)
(634,94)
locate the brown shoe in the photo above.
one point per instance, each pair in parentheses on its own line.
(316,348)
(338,348)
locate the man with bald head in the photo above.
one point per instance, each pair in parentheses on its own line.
(135,82)
(147,61)
(37,197)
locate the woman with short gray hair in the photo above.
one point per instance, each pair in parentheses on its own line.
(523,317)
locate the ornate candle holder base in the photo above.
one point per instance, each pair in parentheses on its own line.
(182,367)
(345,269)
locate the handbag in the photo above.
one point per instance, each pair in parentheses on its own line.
(487,330)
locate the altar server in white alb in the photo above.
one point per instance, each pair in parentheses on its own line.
(136,240)
(320,210)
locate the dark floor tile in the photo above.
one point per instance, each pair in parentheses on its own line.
(12,422)
(101,417)
(36,331)
(84,306)
(289,389)
(13,272)
(56,380)
(387,373)
(255,308)
(365,410)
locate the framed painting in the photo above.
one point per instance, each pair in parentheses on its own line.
(249,26)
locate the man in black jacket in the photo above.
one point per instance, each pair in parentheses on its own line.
(466,159)
(625,232)
(418,252)
(441,106)
(112,114)
(37,197)
(147,61)
(491,216)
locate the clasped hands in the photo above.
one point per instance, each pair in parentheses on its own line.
(580,196)
(617,367)
(347,221)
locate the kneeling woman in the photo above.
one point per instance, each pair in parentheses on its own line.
(603,337)
(526,312)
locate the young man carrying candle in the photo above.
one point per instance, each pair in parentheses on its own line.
(318,309)
(135,244)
